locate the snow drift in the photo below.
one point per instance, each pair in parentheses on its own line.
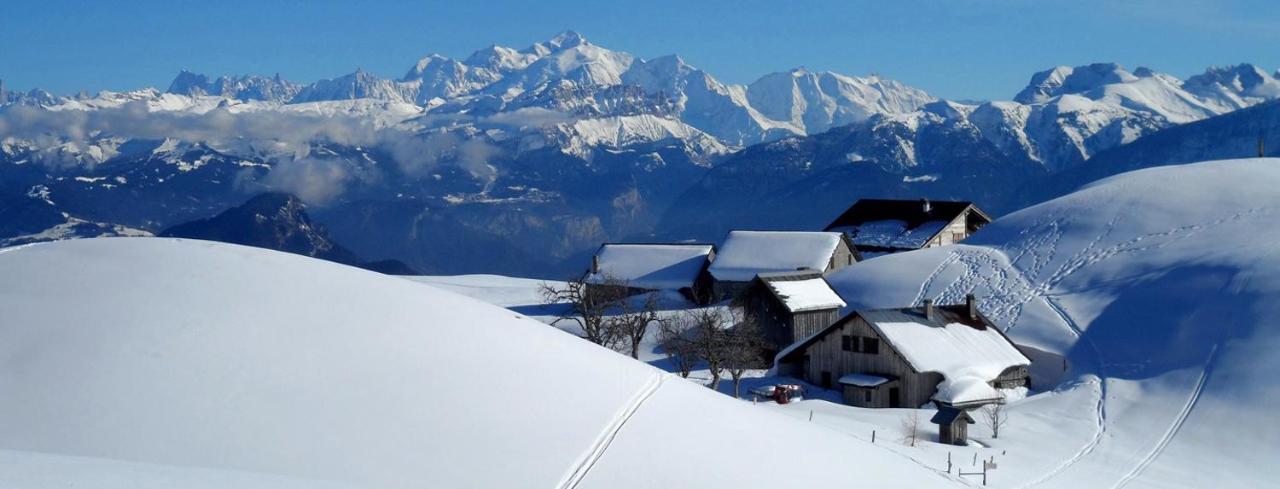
(148,362)
(1159,287)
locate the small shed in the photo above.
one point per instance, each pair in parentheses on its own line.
(646,267)
(789,306)
(881,226)
(953,425)
(746,254)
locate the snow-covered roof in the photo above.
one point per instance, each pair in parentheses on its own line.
(806,294)
(900,224)
(651,266)
(863,380)
(967,356)
(746,254)
(892,233)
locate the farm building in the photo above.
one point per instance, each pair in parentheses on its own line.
(878,226)
(745,254)
(952,355)
(654,266)
(789,306)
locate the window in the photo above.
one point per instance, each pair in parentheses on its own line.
(826,380)
(871,346)
(846,343)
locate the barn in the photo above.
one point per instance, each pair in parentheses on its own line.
(746,254)
(951,355)
(789,306)
(880,226)
(646,267)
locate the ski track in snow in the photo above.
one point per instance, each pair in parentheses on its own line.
(1101,406)
(596,450)
(1169,434)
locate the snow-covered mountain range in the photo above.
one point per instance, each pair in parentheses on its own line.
(535,155)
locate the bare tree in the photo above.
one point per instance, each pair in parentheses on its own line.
(744,347)
(631,322)
(675,336)
(708,334)
(911,427)
(589,306)
(994,416)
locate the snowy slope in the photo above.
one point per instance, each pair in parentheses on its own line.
(1159,287)
(197,364)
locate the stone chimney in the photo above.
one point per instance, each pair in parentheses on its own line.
(925,206)
(971,304)
(928,309)
(595,264)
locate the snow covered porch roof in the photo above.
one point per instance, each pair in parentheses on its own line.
(864,380)
(650,266)
(801,291)
(745,254)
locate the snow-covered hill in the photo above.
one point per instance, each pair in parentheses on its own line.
(1159,288)
(150,362)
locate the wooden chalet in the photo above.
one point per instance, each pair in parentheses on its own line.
(646,267)
(789,306)
(880,226)
(951,355)
(746,254)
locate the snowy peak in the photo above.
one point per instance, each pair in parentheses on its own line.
(244,87)
(564,40)
(360,84)
(1072,80)
(814,102)
(1242,80)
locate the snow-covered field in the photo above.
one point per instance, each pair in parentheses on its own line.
(1146,300)
(1154,287)
(149,362)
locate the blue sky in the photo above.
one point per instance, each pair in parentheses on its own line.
(962,49)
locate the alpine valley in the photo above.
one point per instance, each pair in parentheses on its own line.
(522,161)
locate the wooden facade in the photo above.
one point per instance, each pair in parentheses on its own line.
(953,425)
(779,324)
(853,346)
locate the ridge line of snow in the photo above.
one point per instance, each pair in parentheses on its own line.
(582,467)
(1168,435)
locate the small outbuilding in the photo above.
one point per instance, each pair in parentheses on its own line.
(881,226)
(953,425)
(746,254)
(646,267)
(789,306)
(951,355)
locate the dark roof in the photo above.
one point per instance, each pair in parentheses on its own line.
(910,211)
(942,316)
(948,415)
(789,276)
